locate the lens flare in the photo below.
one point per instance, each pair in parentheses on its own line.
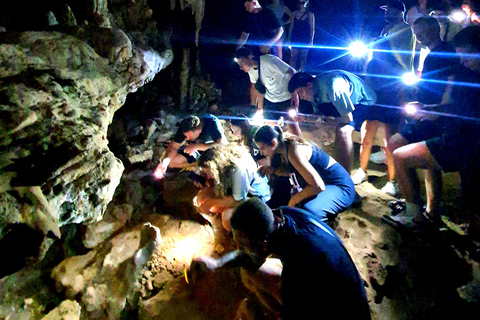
(292,113)
(409,78)
(411,108)
(258,118)
(358,49)
(458,16)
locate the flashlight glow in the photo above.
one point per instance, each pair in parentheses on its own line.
(358,49)
(409,78)
(411,109)
(292,113)
(458,16)
(258,118)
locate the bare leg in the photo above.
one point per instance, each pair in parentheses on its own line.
(279,45)
(180,162)
(407,159)
(433,178)
(293,59)
(390,164)
(368,131)
(294,128)
(434,188)
(266,283)
(344,146)
(303,58)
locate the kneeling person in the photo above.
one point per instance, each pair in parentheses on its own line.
(195,134)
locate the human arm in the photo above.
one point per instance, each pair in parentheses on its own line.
(233,259)
(290,28)
(297,156)
(256,98)
(169,154)
(243,39)
(311,20)
(278,34)
(191,148)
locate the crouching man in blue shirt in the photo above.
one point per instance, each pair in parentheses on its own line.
(319,278)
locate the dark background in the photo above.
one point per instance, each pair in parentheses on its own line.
(337,24)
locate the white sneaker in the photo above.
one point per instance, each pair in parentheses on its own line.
(359,176)
(389,189)
(379,157)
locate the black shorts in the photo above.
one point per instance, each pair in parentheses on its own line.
(190,158)
(275,110)
(455,151)
(391,116)
(416,131)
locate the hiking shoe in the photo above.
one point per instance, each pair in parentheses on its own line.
(402,220)
(390,189)
(359,176)
(379,157)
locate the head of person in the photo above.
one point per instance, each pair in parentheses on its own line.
(394,11)
(427,30)
(217,164)
(471,6)
(240,126)
(467,45)
(245,59)
(252,5)
(268,139)
(191,127)
(301,84)
(303,4)
(252,223)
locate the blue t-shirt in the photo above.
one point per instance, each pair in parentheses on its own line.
(319,278)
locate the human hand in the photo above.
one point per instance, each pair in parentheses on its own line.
(265,49)
(190,149)
(159,172)
(204,263)
(265,170)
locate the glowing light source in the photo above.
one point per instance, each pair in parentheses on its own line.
(411,108)
(258,118)
(292,113)
(358,49)
(409,78)
(458,16)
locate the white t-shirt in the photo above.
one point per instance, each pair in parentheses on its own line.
(246,179)
(274,76)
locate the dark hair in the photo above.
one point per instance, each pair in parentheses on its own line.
(253,218)
(190,123)
(267,133)
(430,23)
(468,38)
(243,53)
(242,122)
(299,80)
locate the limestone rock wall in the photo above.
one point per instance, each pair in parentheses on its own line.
(60,86)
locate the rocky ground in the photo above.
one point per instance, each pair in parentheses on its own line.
(134,264)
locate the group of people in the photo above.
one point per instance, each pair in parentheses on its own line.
(270,24)
(278,192)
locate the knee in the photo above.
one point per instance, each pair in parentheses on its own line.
(395,142)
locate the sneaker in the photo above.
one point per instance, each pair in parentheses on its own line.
(379,157)
(401,220)
(390,189)
(359,176)
(397,206)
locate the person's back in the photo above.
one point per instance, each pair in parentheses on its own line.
(438,66)
(261,26)
(319,278)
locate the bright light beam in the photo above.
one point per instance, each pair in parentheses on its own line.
(458,16)
(409,78)
(358,49)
